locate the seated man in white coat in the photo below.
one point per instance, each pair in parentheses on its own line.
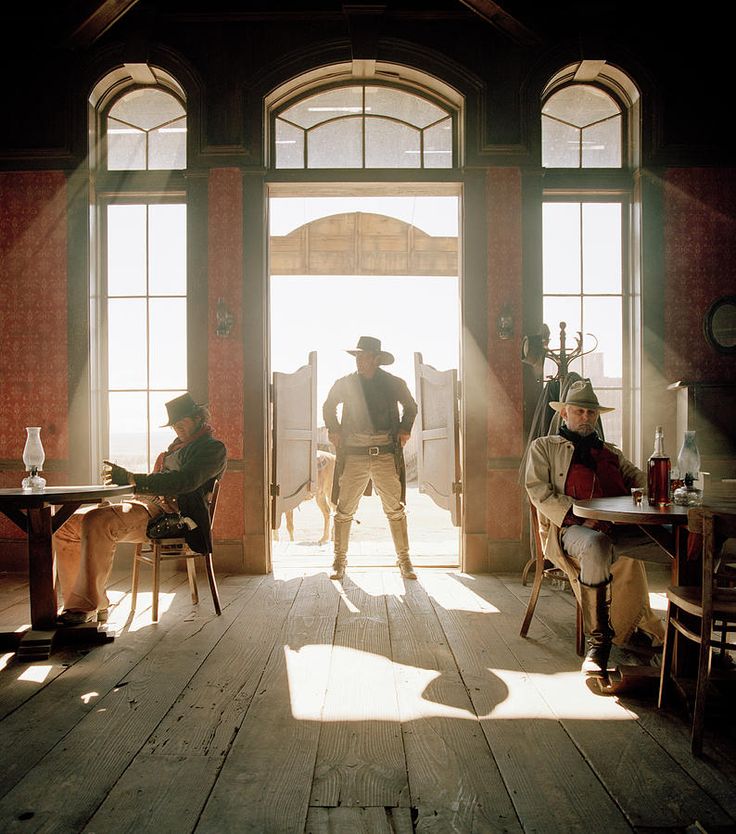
(576,463)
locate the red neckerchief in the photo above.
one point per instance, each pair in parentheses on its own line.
(180,444)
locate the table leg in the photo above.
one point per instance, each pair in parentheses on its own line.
(41,586)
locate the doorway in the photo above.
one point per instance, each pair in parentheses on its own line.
(369,262)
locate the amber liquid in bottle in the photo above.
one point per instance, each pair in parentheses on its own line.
(658,473)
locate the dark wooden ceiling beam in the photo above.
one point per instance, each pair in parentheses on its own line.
(92,19)
(494,14)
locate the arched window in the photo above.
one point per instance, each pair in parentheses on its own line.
(589,117)
(146,130)
(364,126)
(581,128)
(139,275)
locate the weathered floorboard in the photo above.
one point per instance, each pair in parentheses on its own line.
(452,772)
(380,706)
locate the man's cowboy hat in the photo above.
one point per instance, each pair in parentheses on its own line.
(369,344)
(581,394)
(181,407)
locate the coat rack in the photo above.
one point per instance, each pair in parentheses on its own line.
(535,349)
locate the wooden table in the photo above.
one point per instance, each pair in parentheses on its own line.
(667,526)
(39,515)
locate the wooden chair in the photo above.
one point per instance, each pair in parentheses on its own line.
(704,614)
(544,571)
(154,552)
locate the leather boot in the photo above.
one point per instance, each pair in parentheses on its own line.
(342,537)
(595,601)
(400,535)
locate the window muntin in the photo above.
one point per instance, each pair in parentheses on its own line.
(363,126)
(583,285)
(146,326)
(582,127)
(146,129)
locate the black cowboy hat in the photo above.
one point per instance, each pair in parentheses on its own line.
(369,344)
(181,407)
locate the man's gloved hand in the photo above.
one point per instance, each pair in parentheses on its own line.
(114,474)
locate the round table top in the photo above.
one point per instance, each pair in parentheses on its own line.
(20,497)
(623,509)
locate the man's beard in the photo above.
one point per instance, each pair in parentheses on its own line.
(585,430)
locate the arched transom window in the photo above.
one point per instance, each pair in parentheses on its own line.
(581,128)
(146,130)
(364,126)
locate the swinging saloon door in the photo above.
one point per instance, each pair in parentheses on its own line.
(294,421)
(437,437)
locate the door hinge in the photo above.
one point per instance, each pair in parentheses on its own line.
(274,490)
(457,487)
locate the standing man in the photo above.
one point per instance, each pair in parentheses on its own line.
(182,479)
(369,440)
(576,463)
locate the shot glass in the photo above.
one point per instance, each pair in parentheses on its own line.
(637,494)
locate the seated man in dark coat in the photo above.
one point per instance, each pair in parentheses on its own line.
(182,480)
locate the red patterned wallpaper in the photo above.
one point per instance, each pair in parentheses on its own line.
(33,323)
(505,394)
(225,381)
(33,357)
(700,258)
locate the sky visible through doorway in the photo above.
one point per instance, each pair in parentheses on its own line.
(327,313)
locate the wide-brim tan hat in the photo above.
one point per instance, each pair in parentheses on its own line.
(369,344)
(582,395)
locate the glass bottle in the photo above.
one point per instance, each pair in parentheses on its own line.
(658,473)
(33,458)
(689,462)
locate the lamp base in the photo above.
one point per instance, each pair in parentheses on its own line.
(34,483)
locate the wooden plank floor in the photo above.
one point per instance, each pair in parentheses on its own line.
(379,706)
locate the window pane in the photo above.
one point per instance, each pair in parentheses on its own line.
(126,354)
(438,145)
(383,101)
(167,147)
(167,249)
(128,428)
(147,108)
(602,318)
(612,421)
(560,145)
(336,145)
(126,147)
(126,250)
(289,146)
(391,145)
(602,247)
(602,144)
(580,105)
(168,337)
(561,247)
(161,437)
(323,106)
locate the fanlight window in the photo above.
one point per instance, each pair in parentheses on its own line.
(146,131)
(581,128)
(364,126)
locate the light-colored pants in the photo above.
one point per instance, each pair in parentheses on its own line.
(596,551)
(359,469)
(85,547)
